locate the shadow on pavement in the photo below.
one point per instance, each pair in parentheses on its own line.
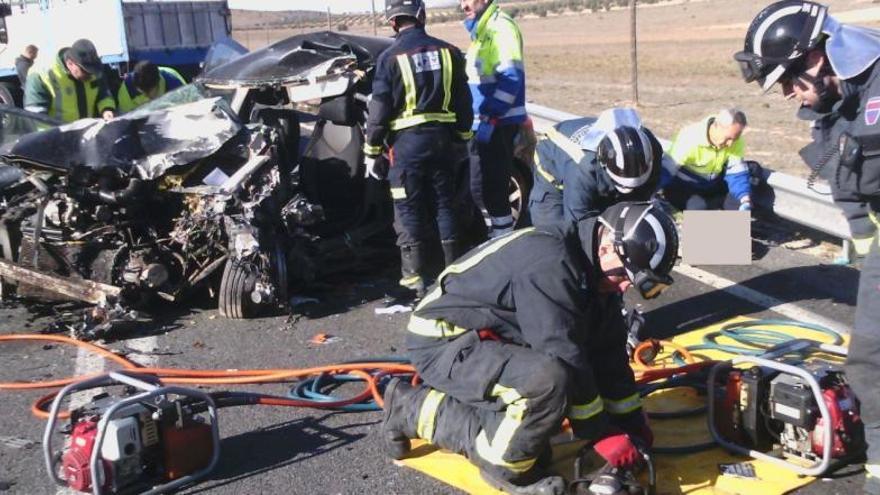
(252,453)
(801,285)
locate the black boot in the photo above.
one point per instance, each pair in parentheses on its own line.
(450,251)
(399,423)
(411,268)
(536,484)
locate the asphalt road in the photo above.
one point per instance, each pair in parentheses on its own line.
(302,451)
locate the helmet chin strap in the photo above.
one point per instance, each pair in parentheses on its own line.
(827,95)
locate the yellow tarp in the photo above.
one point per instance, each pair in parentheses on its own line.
(677,474)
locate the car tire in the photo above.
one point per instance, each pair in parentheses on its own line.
(7,94)
(236,284)
(520,188)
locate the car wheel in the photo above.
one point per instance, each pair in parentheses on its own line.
(518,193)
(236,285)
(6,95)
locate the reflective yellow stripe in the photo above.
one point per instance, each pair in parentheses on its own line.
(409,85)
(567,145)
(372,150)
(447,78)
(398,193)
(433,328)
(490,249)
(625,405)
(443,329)
(412,120)
(410,280)
(428,415)
(466,136)
(506,394)
(546,175)
(493,451)
(582,412)
(56,106)
(873,217)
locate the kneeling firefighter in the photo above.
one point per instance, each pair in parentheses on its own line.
(526,330)
(584,166)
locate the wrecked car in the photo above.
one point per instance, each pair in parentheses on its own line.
(246,182)
(151,204)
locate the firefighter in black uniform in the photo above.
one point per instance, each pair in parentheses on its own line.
(832,70)
(552,299)
(574,180)
(420,105)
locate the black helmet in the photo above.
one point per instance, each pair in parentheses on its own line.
(627,155)
(409,8)
(778,39)
(646,240)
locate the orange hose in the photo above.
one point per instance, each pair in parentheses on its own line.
(370,372)
(639,364)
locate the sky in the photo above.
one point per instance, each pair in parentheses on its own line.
(339,6)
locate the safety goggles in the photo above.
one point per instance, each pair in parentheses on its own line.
(751,66)
(768,71)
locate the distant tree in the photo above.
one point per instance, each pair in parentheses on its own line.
(342,27)
(541,12)
(512,12)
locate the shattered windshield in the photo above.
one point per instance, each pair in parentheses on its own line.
(185,94)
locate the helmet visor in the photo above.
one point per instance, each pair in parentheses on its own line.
(767,72)
(750,65)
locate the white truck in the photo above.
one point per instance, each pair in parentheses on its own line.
(170,33)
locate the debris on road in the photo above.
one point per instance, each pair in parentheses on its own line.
(394,309)
(323,338)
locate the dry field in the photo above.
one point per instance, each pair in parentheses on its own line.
(580,63)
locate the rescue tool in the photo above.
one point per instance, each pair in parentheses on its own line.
(154,440)
(801,415)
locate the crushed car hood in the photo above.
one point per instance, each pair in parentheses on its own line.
(141,144)
(299,58)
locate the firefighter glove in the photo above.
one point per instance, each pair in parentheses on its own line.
(618,450)
(375,167)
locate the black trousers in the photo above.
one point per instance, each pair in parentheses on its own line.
(422,183)
(503,402)
(490,165)
(863,363)
(688,198)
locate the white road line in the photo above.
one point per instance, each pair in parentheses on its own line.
(789,310)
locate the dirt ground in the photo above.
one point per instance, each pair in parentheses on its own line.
(580,63)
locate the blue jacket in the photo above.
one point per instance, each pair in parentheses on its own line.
(563,169)
(495,70)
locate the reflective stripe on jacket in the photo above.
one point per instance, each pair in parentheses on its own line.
(129,97)
(496,74)
(53,91)
(703,165)
(571,174)
(418,80)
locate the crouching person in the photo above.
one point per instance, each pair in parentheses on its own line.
(525,331)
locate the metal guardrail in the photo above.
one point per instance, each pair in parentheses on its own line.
(791,198)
